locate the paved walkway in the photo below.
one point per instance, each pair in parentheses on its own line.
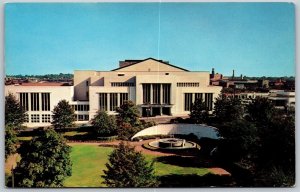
(137,144)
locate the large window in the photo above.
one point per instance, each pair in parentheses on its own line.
(35,118)
(123,97)
(166,88)
(146,93)
(26,120)
(156,93)
(113,101)
(81,107)
(199,96)
(103,101)
(82,117)
(188,101)
(24,101)
(45,101)
(46,118)
(35,102)
(209,101)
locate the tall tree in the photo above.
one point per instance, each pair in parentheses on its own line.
(261,110)
(104,125)
(239,142)
(63,115)
(14,113)
(276,157)
(228,109)
(128,168)
(128,113)
(45,161)
(10,141)
(199,112)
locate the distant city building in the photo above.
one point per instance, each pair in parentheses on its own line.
(157,88)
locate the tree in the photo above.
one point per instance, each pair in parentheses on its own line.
(276,157)
(104,125)
(128,113)
(239,142)
(10,141)
(261,110)
(199,112)
(227,109)
(63,115)
(126,131)
(14,113)
(128,168)
(45,161)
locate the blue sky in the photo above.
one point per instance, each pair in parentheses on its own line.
(255,39)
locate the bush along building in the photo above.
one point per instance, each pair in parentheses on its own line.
(157,87)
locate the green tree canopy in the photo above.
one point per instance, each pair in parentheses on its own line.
(63,115)
(45,161)
(10,141)
(261,110)
(199,112)
(128,168)
(228,109)
(104,125)
(276,157)
(239,141)
(128,113)
(14,113)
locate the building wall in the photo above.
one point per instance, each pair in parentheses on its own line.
(89,84)
(57,93)
(201,131)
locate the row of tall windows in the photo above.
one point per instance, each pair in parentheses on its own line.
(103,101)
(122,84)
(81,107)
(156,93)
(82,117)
(189,99)
(123,97)
(166,97)
(146,93)
(115,100)
(45,101)
(24,101)
(34,101)
(209,100)
(188,84)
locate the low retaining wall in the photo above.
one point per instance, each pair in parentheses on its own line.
(185,129)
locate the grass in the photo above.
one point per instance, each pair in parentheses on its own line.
(89,163)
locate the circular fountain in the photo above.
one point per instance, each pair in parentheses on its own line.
(172,143)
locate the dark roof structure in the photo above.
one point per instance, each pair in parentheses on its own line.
(150,58)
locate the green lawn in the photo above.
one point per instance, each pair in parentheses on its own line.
(89,162)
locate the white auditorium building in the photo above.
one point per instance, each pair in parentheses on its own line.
(157,87)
